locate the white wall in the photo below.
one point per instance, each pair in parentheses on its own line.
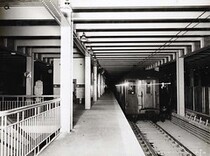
(79,75)
(79,70)
(56,76)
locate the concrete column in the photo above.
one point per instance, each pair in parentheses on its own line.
(180,85)
(87,82)
(95,82)
(202,43)
(193,47)
(102,85)
(66,71)
(99,85)
(29,72)
(192,86)
(92,83)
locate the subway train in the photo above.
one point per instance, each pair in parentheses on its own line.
(139,98)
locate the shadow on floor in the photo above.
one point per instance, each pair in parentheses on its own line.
(79,109)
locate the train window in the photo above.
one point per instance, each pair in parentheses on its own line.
(131,89)
(148,88)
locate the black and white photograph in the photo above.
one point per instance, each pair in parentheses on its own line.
(104,77)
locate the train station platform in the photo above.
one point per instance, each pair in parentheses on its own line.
(103,131)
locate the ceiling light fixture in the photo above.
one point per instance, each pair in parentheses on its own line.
(13,53)
(83,38)
(6,7)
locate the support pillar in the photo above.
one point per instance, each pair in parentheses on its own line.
(95,82)
(180,85)
(192,87)
(87,82)
(102,85)
(99,85)
(66,71)
(29,74)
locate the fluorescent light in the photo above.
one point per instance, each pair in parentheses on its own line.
(13,53)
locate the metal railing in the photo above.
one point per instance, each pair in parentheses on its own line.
(26,130)
(14,101)
(200,118)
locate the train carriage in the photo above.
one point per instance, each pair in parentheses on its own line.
(141,97)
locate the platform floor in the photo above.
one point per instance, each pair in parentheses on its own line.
(101,131)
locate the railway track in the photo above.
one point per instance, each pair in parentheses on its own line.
(155,141)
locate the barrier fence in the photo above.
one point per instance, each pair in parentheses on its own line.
(14,101)
(26,130)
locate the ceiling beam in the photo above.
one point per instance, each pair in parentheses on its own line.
(143,29)
(122,54)
(30,31)
(37,43)
(25,13)
(131,26)
(137,26)
(144,9)
(142,34)
(134,42)
(142,40)
(146,36)
(142,21)
(28,22)
(139,15)
(132,4)
(53,8)
(50,55)
(137,48)
(50,50)
(46,50)
(21,3)
(138,51)
(126,58)
(139,44)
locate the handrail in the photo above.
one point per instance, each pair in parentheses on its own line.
(197,116)
(8,102)
(24,108)
(26,130)
(199,113)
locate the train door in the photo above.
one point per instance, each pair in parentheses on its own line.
(156,95)
(149,94)
(145,94)
(140,93)
(131,98)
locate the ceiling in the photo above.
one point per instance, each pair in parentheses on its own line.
(124,35)
(138,34)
